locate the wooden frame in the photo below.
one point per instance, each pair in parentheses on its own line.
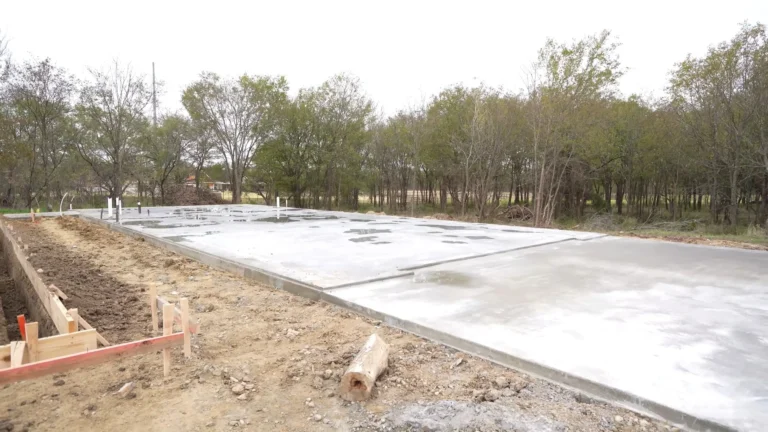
(89,358)
(72,348)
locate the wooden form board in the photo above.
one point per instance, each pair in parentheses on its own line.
(5,356)
(90,358)
(48,348)
(50,301)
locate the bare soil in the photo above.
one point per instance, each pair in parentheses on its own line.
(283,354)
(700,241)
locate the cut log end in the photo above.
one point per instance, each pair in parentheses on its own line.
(358,381)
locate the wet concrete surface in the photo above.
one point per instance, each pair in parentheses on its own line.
(684,326)
(341,248)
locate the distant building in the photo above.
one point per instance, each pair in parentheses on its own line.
(209,184)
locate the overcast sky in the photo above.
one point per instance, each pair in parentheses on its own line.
(403,52)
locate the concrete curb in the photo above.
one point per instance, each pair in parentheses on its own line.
(597,390)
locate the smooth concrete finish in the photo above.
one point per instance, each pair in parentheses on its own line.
(676,330)
(684,326)
(327,249)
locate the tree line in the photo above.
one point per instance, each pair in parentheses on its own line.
(565,144)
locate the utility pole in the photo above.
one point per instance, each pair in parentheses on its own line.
(154,96)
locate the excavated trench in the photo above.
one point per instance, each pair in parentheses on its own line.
(12,305)
(17,297)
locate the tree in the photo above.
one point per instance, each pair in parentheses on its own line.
(564,80)
(41,98)
(240,114)
(164,147)
(201,149)
(111,123)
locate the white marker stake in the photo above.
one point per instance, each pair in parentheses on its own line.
(278,202)
(70,206)
(119,207)
(109,207)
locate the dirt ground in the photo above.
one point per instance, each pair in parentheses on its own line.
(700,241)
(264,360)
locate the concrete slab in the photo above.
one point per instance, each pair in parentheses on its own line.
(684,326)
(678,330)
(327,249)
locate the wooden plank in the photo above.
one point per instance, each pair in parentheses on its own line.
(5,356)
(153,306)
(193,326)
(75,318)
(32,341)
(18,353)
(66,344)
(58,292)
(90,358)
(167,330)
(87,326)
(185,327)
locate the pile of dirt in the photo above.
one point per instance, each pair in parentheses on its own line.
(180,195)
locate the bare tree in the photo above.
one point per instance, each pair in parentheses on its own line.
(111,123)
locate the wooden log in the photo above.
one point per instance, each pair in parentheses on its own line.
(359,379)
(90,358)
(167,330)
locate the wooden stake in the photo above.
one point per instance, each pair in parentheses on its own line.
(185,327)
(22,326)
(75,319)
(153,306)
(18,354)
(358,381)
(167,330)
(32,335)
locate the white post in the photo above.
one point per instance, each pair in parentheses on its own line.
(278,203)
(70,206)
(109,207)
(119,207)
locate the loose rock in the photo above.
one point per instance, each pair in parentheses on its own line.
(126,389)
